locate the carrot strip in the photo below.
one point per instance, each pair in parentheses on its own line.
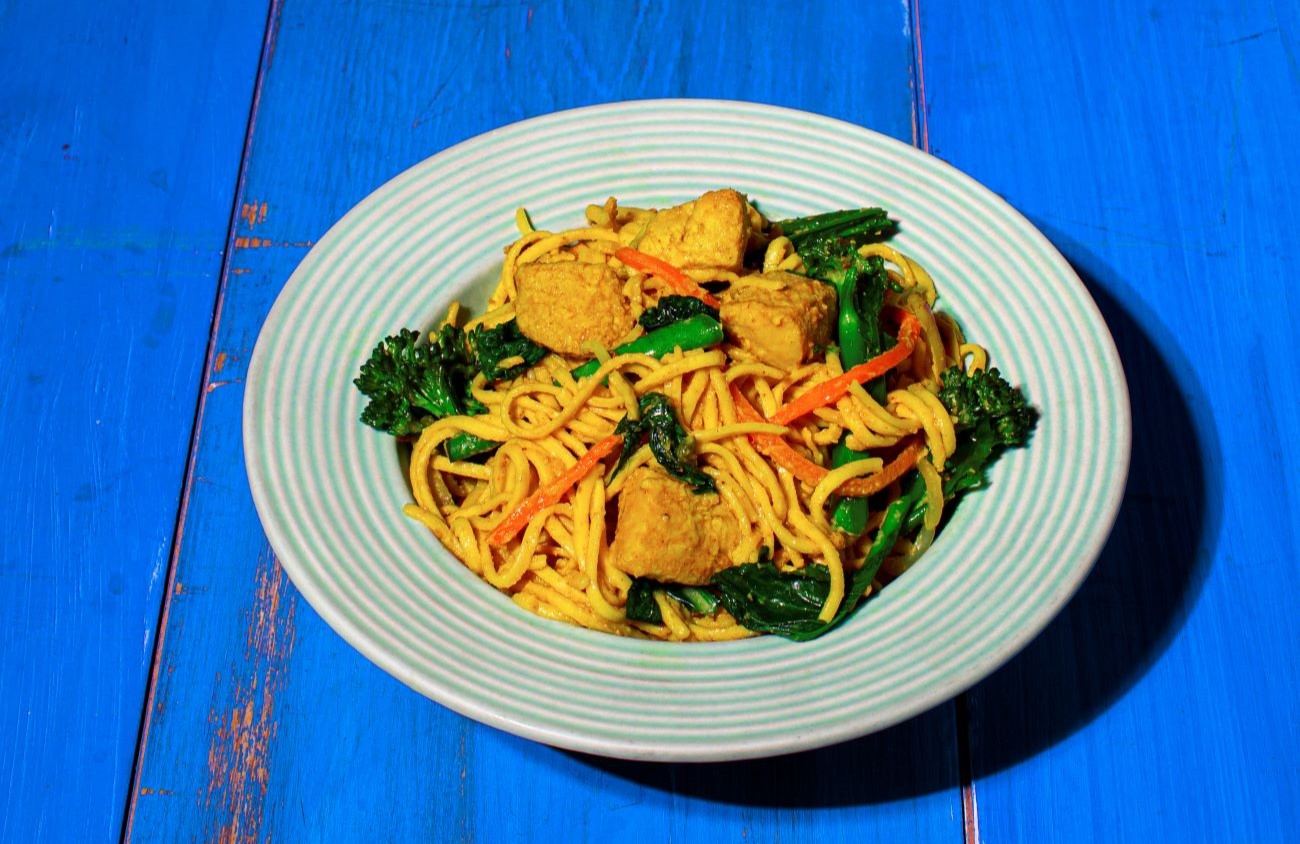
(783,454)
(676,279)
(833,389)
(554,491)
(892,471)
(774,447)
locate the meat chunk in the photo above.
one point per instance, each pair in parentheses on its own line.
(668,533)
(563,305)
(711,231)
(779,317)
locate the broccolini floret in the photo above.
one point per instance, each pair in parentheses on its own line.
(985,397)
(990,416)
(411,384)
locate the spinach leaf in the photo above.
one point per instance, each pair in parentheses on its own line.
(765,599)
(669,442)
(672,309)
(641,604)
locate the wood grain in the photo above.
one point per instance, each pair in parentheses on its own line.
(303,739)
(1155,146)
(120,138)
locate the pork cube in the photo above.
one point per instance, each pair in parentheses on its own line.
(668,533)
(780,318)
(711,231)
(563,305)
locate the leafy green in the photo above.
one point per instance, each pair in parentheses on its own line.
(641,604)
(765,599)
(410,384)
(501,342)
(671,309)
(669,442)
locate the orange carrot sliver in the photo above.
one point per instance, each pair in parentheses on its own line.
(774,447)
(893,470)
(554,491)
(676,279)
(833,389)
(782,454)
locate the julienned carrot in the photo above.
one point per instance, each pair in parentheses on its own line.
(676,279)
(782,454)
(554,491)
(774,447)
(832,390)
(892,471)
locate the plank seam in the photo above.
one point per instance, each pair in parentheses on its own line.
(969,805)
(961,711)
(269,33)
(920,118)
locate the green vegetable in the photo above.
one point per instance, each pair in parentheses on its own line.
(464,445)
(641,604)
(829,248)
(990,416)
(669,442)
(411,384)
(489,347)
(765,599)
(500,342)
(985,398)
(851,223)
(697,332)
(671,309)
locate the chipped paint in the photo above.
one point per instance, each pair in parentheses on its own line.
(263,243)
(219,363)
(245,728)
(253,213)
(213,385)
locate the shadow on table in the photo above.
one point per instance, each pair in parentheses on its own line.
(1134,601)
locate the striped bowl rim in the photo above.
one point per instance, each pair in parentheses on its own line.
(329,491)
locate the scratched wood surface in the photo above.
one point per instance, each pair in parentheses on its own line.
(263,724)
(120,136)
(1155,145)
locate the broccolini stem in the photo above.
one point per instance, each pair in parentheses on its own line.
(850,223)
(697,332)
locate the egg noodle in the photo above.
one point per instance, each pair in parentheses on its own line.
(559,565)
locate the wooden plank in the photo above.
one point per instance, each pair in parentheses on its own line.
(265,724)
(1155,146)
(119,142)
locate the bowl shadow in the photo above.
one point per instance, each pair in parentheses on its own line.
(1119,623)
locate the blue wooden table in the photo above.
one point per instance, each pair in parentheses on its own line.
(164,167)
